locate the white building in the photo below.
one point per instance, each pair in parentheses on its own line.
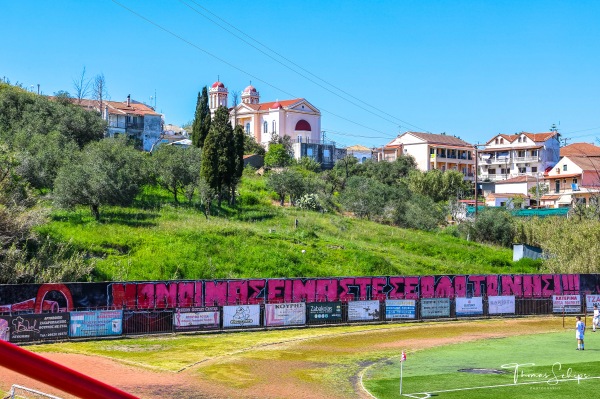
(435,151)
(523,154)
(359,152)
(296,118)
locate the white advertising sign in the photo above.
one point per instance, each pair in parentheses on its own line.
(241,316)
(501,304)
(469,306)
(363,310)
(285,314)
(590,301)
(566,303)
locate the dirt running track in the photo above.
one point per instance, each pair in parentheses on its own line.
(278,377)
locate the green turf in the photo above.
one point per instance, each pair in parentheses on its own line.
(548,358)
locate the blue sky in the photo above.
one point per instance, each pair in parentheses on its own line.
(468,68)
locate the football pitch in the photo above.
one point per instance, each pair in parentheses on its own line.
(528,366)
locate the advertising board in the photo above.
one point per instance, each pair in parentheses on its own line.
(469,306)
(241,316)
(400,309)
(363,310)
(285,314)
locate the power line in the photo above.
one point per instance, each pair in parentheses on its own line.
(234,66)
(396,119)
(356,135)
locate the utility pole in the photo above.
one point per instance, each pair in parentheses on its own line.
(476,176)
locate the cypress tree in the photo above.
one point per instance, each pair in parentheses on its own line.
(217,153)
(237,160)
(202,122)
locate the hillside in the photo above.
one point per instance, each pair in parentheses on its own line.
(152,240)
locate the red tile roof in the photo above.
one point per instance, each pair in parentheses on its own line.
(440,139)
(518,179)
(580,149)
(535,137)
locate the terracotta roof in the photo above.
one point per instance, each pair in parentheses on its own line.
(271,105)
(518,179)
(560,176)
(589,164)
(134,108)
(550,197)
(117,107)
(439,139)
(535,137)
(218,84)
(358,147)
(580,149)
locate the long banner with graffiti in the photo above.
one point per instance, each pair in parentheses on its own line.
(158,295)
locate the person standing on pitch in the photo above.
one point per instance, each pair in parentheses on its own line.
(596,317)
(579,330)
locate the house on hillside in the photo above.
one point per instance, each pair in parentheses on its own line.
(130,118)
(523,154)
(574,179)
(359,152)
(436,151)
(508,200)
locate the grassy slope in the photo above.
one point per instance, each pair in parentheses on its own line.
(260,240)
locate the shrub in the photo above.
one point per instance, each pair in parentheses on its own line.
(309,202)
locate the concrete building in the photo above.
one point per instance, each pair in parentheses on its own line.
(433,151)
(523,154)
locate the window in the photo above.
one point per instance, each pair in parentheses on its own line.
(299,139)
(274,127)
(557,186)
(519,139)
(491,171)
(575,180)
(265,127)
(534,169)
(534,153)
(521,154)
(522,170)
(564,167)
(496,141)
(248,127)
(501,141)
(504,171)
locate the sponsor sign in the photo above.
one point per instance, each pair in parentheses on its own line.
(363,310)
(400,309)
(501,304)
(36,327)
(590,301)
(566,303)
(4,328)
(241,316)
(469,306)
(435,307)
(285,314)
(195,319)
(96,323)
(322,312)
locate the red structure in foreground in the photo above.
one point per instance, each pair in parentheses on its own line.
(51,373)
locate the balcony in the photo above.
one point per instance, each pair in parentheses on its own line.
(526,159)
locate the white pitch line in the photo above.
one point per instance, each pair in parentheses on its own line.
(497,386)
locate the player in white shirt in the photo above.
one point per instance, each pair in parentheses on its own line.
(596,318)
(579,331)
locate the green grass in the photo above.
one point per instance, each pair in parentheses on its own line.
(548,358)
(156,240)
